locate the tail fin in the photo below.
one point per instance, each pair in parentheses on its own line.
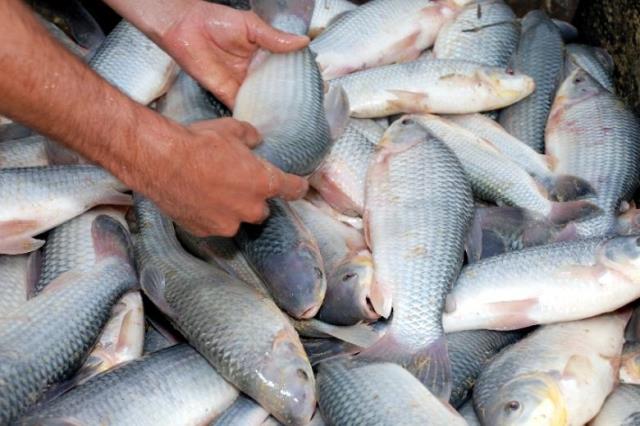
(429,363)
(336,110)
(319,350)
(292,16)
(110,238)
(562,213)
(566,188)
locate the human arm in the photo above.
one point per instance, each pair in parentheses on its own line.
(213,43)
(205,177)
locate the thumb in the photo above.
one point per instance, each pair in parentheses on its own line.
(271,39)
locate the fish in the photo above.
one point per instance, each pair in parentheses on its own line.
(540,55)
(593,135)
(353,393)
(287,258)
(469,352)
(187,102)
(63,38)
(539,285)
(325,13)
(485,31)
(498,230)
(630,364)
(45,197)
(628,222)
(352,294)
(359,335)
(594,60)
(283,97)
(316,199)
(242,333)
(417,192)
(72,246)
(24,152)
(135,65)
(243,412)
(622,408)
(363,39)
(469,414)
(224,253)
(157,337)
(341,177)
(17,279)
(441,86)
(10,130)
(45,340)
(174,386)
(558,375)
(560,187)
(495,177)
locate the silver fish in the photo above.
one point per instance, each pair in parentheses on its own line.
(326,12)
(561,187)
(72,246)
(495,177)
(316,199)
(416,190)
(134,64)
(485,31)
(243,412)
(558,375)
(187,102)
(539,55)
(469,414)
(363,39)
(63,323)
(352,294)
(538,285)
(593,135)
(341,177)
(283,97)
(287,258)
(174,386)
(622,408)
(352,393)
(63,38)
(17,278)
(240,332)
(630,364)
(24,152)
(45,197)
(443,86)
(594,60)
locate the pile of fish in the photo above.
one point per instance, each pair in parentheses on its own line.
(469,252)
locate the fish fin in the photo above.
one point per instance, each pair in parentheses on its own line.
(567,31)
(132,326)
(153,284)
(605,59)
(319,350)
(110,238)
(430,363)
(566,188)
(562,213)
(60,155)
(292,16)
(336,109)
(408,102)
(362,335)
(61,281)
(405,47)
(579,368)
(171,335)
(113,197)
(512,314)
(381,298)
(16,238)
(568,233)
(34,265)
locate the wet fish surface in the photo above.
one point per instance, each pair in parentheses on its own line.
(16,282)
(243,412)
(594,60)
(326,12)
(24,152)
(622,408)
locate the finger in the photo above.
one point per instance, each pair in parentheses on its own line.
(280,184)
(267,37)
(258,214)
(241,130)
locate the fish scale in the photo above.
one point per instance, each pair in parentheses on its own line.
(177,384)
(485,31)
(13,282)
(593,135)
(621,408)
(239,331)
(540,54)
(594,60)
(24,152)
(416,189)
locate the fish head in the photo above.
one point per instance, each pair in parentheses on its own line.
(287,384)
(578,86)
(404,133)
(510,86)
(623,255)
(532,399)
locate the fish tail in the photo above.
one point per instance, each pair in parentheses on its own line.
(566,188)
(319,350)
(429,363)
(111,239)
(562,213)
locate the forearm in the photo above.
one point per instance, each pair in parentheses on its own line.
(152,17)
(45,87)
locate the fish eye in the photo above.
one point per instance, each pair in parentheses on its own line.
(406,121)
(578,80)
(302,374)
(512,406)
(318,272)
(348,276)
(510,71)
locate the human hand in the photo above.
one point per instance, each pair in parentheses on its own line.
(208,180)
(215,44)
